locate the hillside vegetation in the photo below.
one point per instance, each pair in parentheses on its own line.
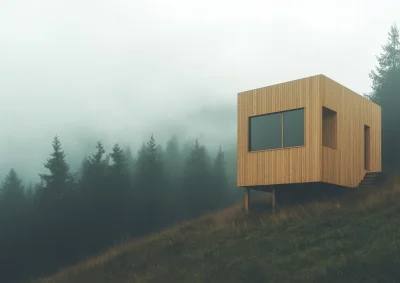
(355,238)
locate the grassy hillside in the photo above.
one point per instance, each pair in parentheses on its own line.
(352,239)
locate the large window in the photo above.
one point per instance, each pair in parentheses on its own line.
(329,128)
(293,128)
(277,130)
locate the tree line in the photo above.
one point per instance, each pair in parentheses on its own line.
(386,92)
(68,216)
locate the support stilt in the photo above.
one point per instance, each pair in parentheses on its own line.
(246,199)
(273,201)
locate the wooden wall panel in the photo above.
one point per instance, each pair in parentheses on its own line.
(287,165)
(345,165)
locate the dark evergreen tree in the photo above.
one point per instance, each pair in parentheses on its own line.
(12,188)
(386,92)
(196,182)
(13,202)
(94,170)
(220,181)
(29,192)
(97,159)
(388,64)
(150,182)
(235,193)
(14,224)
(173,162)
(94,187)
(130,160)
(56,183)
(118,192)
(118,158)
(174,176)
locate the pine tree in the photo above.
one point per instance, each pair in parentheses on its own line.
(174,176)
(97,158)
(150,181)
(152,149)
(14,223)
(119,164)
(12,186)
(387,71)
(120,179)
(118,191)
(386,92)
(94,173)
(150,161)
(235,194)
(57,181)
(220,181)
(12,195)
(13,203)
(29,192)
(130,159)
(94,196)
(196,182)
(173,162)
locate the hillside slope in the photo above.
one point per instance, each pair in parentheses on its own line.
(353,239)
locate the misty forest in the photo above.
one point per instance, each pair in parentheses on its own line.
(124,194)
(114,197)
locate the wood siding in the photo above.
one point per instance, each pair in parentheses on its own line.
(345,165)
(286,165)
(342,165)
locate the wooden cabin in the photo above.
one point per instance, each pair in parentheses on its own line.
(310,130)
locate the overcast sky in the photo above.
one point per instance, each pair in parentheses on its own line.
(118,70)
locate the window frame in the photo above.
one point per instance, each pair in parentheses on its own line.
(282,130)
(335,132)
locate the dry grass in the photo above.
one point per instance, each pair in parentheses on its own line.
(193,249)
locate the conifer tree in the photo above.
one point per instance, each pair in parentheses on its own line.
(94,174)
(386,73)
(97,158)
(13,221)
(12,196)
(386,92)
(220,181)
(56,183)
(196,183)
(118,191)
(130,160)
(12,187)
(150,181)
(29,192)
(173,162)
(119,164)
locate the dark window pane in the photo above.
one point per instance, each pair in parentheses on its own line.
(266,132)
(293,128)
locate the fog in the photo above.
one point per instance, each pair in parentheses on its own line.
(120,70)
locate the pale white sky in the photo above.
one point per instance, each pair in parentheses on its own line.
(117,70)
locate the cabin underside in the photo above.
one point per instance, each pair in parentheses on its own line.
(288,194)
